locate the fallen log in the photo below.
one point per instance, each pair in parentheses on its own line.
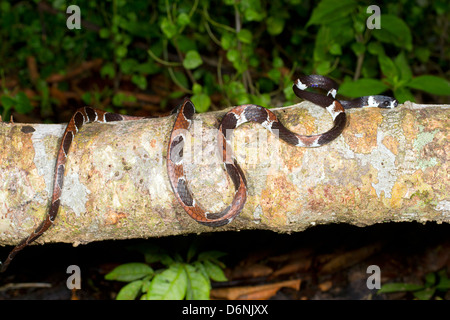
(387,166)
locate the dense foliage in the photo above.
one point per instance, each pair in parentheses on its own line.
(221,52)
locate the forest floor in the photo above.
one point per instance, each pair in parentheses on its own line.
(322,263)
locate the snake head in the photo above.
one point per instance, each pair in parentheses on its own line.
(385,102)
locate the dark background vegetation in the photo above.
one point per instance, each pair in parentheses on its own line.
(143,57)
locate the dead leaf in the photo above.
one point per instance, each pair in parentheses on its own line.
(349,258)
(261,292)
(252,271)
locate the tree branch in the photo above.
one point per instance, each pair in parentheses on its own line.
(389,165)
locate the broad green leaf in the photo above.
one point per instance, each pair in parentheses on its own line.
(403,94)
(233,55)
(375,48)
(130,291)
(227,40)
(23,104)
(121,51)
(261,100)
(128,66)
(275,25)
(331,10)
(336,49)
(201,102)
(277,62)
(274,75)
(7,102)
(398,287)
(211,255)
(443,284)
(252,9)
(129,272)
(197,88)
(171,284)
(140,81)
(323,67)
(214,271)
(430,279)
(186,44)
(388,68)
(168,28)
(108,70)
(403,66)
(430,84)
(104,33)
(245,36)
(183,19)
(358,48)
(198,286)
(362,87)
(395,31)
(422,53)
(192,60)
(425,294)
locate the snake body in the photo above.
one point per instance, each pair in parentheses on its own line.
(232,119)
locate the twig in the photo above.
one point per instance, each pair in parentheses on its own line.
(12,286)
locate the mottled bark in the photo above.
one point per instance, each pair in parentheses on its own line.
(388,165)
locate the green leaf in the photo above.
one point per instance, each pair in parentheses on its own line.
(108,70)
(323,67)
(227,40)
(171,284)
(275,25)
(362,87)
(211,255)
(168,28)
(164,258)
(403,94)
(388,68)
(198,286)
(23,104)
(129,272)
(121,51)
(245,36)
(197,88)
(425,294)
(375,48)
(274,75)
(192,60)
(201,102)
(119,98)
(104,33)
(7,102)
(443,284)
(358,48)
(183,19)
(214,271)
(430,84)
(395,31)
(430,279)
(403,66)
(233,55)
(130,291)
(277,62)
(399,287)
(331,10)
(336,49)
(140,81)
(128,66)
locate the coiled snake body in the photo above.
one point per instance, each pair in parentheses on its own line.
(234,118)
